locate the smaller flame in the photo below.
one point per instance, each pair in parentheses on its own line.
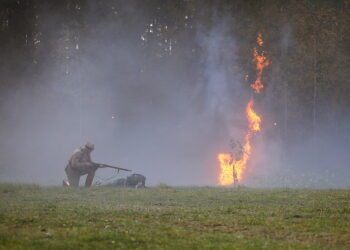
(226,175)
(261,62)
(259,40)
(253,119)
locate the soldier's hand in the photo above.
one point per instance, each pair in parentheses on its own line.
(100,166)
(93,166)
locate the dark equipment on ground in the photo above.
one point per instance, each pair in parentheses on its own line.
(133,180)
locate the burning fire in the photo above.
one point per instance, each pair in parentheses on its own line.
(259,40)
(261,62)
(232,169)
(226,165)
(253,119)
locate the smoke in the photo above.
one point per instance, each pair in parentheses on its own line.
(113,88)
(285,158)
(158,99)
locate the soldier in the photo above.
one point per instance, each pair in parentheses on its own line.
(80,164)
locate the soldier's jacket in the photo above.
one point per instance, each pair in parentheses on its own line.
(80,162)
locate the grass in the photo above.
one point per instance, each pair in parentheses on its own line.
(163,217)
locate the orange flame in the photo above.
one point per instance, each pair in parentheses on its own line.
(226,166)
(259,40)
(253,119)
(232,169)
(261,62)
(254,126)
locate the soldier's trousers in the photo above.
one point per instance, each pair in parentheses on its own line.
(74,177)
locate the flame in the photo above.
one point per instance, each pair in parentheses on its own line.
(232,169)
(226,175)
(259,40)
(254,122)
(253,119)
(261,62)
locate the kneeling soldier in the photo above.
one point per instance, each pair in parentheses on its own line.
(80,164)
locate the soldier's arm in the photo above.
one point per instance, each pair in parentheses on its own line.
(78,164)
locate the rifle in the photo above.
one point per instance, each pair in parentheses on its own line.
(108,166)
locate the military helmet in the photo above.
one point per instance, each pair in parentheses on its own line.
(89,145)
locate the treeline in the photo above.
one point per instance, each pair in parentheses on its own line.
(307,42)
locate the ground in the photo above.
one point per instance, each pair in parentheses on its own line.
(162,217)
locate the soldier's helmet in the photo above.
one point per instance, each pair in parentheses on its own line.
(89,145)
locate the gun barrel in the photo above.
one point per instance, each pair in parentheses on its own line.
(108,166)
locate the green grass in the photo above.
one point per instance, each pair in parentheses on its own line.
(34,217)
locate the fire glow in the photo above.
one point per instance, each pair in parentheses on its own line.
(232,169)
(261,62)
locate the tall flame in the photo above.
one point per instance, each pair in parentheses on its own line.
(232,169)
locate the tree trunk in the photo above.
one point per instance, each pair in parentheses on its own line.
(314,102)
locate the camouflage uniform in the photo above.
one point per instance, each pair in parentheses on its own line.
(80,164)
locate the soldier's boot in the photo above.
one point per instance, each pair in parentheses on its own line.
(65,183)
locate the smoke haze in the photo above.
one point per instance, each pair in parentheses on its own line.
(159,93)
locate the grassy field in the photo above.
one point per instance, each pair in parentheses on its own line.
(34,217)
